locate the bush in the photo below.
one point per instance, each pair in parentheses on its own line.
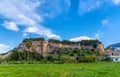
(65,58)
(87,59)
(51,58)
(107,59)
(58,62)
(26,55)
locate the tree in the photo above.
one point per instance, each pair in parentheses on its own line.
(51,57)
(67,42)
(15,55)
(39,39)
(54,41)
(28,45)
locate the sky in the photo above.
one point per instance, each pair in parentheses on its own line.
(74,20)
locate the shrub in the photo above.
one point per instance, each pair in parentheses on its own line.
(65,58)
(26,55)
(51,58)
(87,59)
(107,59)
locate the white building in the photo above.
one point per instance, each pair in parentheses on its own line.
(115,58)
(117,51)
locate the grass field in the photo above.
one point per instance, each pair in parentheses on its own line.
(61,70)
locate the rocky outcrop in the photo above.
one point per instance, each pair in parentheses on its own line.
(100,47)
(44,47)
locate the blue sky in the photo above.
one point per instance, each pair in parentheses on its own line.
(74,20)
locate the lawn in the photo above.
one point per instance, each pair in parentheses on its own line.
(61,70)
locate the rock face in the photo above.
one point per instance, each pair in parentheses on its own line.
(44,47)
(100,47)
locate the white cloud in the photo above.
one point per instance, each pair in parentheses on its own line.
(117,2)
(41,31)
(52,8)
(97,36)
(31,29)
(104,22)
(24,13)
(11,26)
(4,48)
(25,35)
(81,38)
(89,5)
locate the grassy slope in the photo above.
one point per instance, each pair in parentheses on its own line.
(61,70)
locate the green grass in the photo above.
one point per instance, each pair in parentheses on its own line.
(61,70)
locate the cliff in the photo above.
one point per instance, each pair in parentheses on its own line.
(44,46)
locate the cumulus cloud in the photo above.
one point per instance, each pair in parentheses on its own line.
(11,26)
(41,31)
(4,48)
(96,36)
(81,38)
(30,14)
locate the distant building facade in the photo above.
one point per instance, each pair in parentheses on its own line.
(113,54)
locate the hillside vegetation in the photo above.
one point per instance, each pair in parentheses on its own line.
(85,51)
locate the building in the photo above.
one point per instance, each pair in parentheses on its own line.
(113,54)
(115,58)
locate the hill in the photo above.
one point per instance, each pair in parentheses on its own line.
(114,45)
(56,51)
(44,47)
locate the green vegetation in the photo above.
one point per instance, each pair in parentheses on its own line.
(93,43)
(58,55)
(73,55)
(54,41)
(61,70)
(24,56)
(60,62)
(34,39)
(83,42)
